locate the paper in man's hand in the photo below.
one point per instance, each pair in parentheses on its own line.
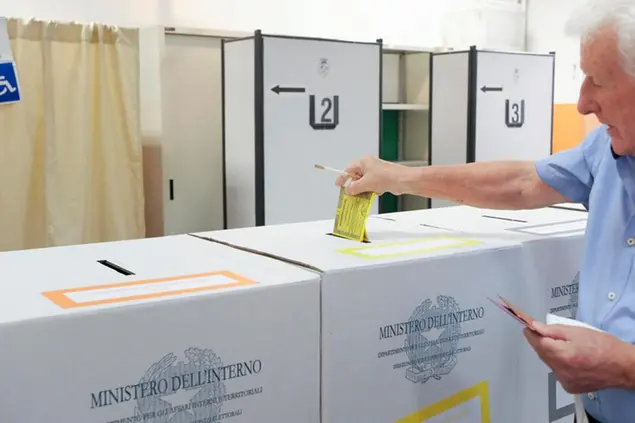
(515,312)
(351,215)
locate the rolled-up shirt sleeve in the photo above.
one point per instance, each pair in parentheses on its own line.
(570,172)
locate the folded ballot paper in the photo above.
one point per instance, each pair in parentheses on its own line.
(514,311)
(551,319)
(527,320)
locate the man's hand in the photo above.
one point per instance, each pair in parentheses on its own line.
(584,360)
(371,174)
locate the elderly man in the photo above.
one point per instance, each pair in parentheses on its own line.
(600,173)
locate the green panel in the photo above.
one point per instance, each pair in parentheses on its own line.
(389,151)
(390,135)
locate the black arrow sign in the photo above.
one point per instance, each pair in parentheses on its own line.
(486,88)
(278,89)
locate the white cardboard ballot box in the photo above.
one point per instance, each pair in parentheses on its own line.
(408,332)
(552,240)
(172,329)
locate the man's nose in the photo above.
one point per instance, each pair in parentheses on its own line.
(586,102)
(586,106)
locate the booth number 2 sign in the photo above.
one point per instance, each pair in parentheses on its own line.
(328,114)
(324,112)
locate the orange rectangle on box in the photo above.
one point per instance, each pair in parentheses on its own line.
(146,289)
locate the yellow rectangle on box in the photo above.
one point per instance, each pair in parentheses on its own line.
(146,289)
(351,215)
(468,406)
(407,248)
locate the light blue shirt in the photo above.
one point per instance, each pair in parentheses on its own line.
(593,175)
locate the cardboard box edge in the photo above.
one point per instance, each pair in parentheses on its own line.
(259,253)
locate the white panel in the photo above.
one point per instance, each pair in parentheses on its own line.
(450,77)
(522,77)
(192,116)
(152,42)
(239,133)
(151,53)
(294,190)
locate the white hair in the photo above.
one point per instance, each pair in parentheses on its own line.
(619,15)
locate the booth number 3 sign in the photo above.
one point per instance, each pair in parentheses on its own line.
(514,109)
(514,113)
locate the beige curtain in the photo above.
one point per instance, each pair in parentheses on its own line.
(70,151)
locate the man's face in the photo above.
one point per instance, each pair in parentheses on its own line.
(608,91)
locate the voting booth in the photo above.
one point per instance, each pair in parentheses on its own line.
(408,332)
(490,105)
(172,329)
(547,282)
(290,103)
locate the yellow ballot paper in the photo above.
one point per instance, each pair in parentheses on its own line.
(351,215)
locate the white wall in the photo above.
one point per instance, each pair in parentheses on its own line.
(398,22)
(119,12)
(488,24)
(403,22)
(545,32)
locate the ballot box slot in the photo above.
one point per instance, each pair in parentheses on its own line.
(119,269)
(508,219)
(336,236)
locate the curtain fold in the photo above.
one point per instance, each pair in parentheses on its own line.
(70,150)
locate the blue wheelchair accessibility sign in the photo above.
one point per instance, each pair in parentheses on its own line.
(9,89)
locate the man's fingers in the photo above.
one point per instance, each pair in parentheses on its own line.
(341,180)
(354,168)
(354,172)
(532,337)
(552,331)
(355,187)
(544,346)
(550,345)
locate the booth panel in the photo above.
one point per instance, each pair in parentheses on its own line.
(514,106)
(322,104)
(449,117)
(239,133)
(191,153)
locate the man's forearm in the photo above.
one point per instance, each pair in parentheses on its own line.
(625,369)
(494,185)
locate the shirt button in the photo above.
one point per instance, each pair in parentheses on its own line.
(630,242)
(591,396)
(611,296)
